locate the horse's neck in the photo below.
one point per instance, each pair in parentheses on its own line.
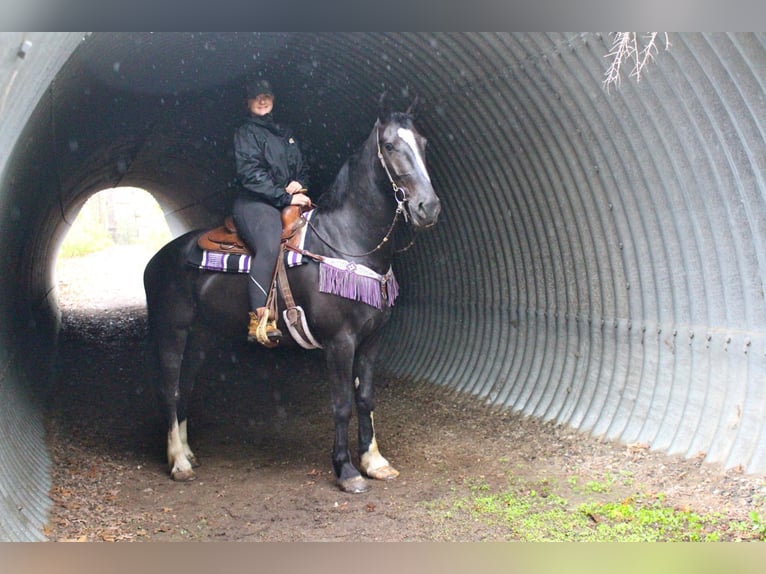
(359,225)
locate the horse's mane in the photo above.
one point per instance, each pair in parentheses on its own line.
(336,194)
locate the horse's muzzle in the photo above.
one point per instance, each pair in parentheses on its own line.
(425,213)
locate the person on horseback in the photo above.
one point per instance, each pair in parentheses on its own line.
(273,175)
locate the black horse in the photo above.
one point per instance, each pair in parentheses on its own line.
(383,183)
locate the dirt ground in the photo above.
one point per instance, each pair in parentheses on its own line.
(262,428)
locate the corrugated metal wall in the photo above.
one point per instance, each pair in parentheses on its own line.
(27,329)
(599,261)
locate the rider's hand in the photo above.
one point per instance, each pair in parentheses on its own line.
(294,187)
(300,199)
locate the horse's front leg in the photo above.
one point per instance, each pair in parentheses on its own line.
(340,363)
(372,462)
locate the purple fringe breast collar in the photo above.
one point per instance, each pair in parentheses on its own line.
(357,282)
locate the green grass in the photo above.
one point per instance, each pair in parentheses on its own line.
(83,240)
(650,521)
(537,512)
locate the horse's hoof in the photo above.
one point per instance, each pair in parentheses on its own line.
(387,472)
(183,475)
(354,485)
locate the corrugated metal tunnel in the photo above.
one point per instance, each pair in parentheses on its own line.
(599,261)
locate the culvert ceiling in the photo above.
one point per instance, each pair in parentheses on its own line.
(599,262)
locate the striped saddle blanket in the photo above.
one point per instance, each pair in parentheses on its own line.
(336,276)
(234,262)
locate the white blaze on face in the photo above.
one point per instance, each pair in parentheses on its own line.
(409,137)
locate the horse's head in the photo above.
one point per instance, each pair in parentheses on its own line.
(402,152)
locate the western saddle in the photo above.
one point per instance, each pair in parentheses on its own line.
(225,239)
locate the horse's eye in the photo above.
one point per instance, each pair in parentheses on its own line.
(389,147)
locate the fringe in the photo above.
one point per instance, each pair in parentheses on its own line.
(358,283)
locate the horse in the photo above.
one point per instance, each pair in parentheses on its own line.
(383,184)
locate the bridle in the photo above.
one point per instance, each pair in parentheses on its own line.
(400,193)
(400,196)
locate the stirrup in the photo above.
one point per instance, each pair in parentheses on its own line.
(262,329)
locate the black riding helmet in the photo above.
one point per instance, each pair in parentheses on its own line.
(256,86)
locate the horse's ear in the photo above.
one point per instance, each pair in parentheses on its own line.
(413,109)
(384,107)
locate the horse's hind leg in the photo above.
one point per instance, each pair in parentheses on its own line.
(372,462)
(180,359)
(198,341)
(179,464)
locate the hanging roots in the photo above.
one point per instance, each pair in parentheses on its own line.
(627,47)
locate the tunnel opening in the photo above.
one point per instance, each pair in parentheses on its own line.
(599,262)
(101,259)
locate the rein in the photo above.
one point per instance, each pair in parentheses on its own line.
(400,196)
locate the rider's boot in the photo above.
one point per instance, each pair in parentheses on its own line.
(263,328)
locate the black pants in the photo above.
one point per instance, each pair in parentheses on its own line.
(260,226)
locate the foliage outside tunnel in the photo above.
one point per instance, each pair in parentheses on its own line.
(118,216)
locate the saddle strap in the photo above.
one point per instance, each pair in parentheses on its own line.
(284,285)
(293,315)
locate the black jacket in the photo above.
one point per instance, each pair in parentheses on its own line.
(268,158)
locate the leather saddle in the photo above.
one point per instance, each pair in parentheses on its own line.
(225,239)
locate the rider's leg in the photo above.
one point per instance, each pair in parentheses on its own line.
(259,225)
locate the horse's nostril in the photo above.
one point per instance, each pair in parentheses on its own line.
(431,207)
(428,212)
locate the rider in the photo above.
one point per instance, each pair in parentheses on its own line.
(273,175)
